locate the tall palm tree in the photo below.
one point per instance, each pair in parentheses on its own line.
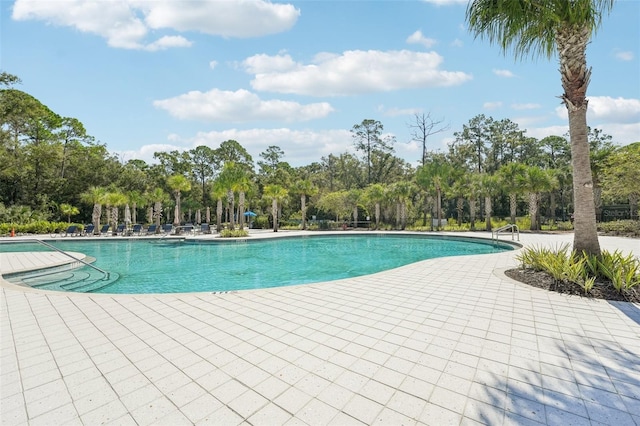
(403,191)
(433,176)
(95,195)
(114,201)
(375,194)
(68,210)
(541,28)
(178,184)
(218,193)
(458,190)
(490,187)
(276,193)
(534,181)
(303,188)
(474,185)
(242,185)
(136,199)
(509,176)
(157,197)
(230,176)
(353,199)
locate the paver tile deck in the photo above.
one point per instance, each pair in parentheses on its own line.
(442,341)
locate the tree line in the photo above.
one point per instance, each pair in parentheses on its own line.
(54,170)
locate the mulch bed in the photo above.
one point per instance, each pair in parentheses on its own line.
(601,289)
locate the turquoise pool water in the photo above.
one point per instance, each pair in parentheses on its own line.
(176,266)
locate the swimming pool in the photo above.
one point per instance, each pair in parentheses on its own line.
(178,266)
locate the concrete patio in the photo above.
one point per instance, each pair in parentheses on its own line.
(448,341)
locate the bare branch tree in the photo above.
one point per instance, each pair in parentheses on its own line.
(424,126)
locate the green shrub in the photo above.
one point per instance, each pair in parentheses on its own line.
(534,258)
(620,227)
(234,233)
(556,263)
(326,225)
(36,227)
(622,271)
(523,222)
(260,222)
(564,226)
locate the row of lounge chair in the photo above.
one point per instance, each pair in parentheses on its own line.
(137,230)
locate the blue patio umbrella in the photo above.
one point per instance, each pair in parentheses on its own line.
(250,214)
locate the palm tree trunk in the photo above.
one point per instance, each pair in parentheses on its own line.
(157,214)
(219,215)
(472,213)
(134,212)
(460,209)
(487,212)
(633,202)
(572,45)
(533,210)
(586,233)
(274,213)
(241,210)
(97,212)
(303,207)
(377,216)
(439,207)
(513,205)
(114,217)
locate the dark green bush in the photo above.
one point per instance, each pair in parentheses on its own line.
(620,227)
(327,225)
(260,222)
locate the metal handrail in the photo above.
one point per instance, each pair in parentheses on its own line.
(511,226)
(105,273)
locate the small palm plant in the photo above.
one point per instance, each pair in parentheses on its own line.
(68,210)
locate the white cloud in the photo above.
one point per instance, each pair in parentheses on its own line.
(127,23)
(167,42)
(457,43)
(543,132)
(608,109)
(618,117)
(352,72)
(213,64)
(261,64)
(503,73)
(238,106)
(616,110)
(491,105)
(624,55)
(240,18)
(146,152)
(301,147)
(419,38)
(622,134)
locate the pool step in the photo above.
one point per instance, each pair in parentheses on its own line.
(83,280)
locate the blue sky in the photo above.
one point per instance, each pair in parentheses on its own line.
(146,76)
